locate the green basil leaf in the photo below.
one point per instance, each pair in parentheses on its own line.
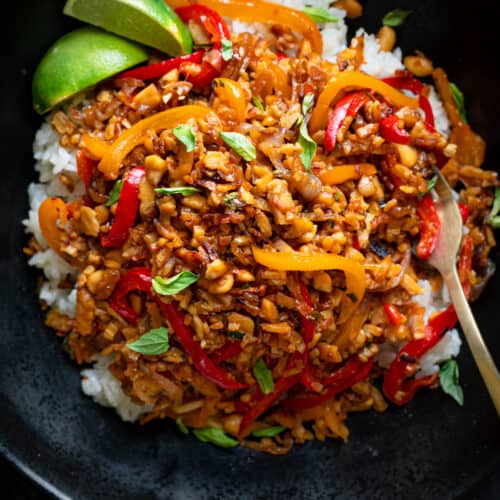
(449,380)
(215,436)
(175,284)
(494,217)
(458,97)
(184,190)
(181,425)
(307,102)
(269,431)
(308,147)
(227,49)
(320,15)
(430,186)
(241,144)
(258,103)
(264,376)
(186,135)
(395,18)
(151,343)
(114,194)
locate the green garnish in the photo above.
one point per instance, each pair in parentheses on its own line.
(395,17)
(264,376)
(449,380)
(308,147)
(258,103)
(458,97)
(151,343)
(181,425)
(114,194)
(430,186)
(268,431)
(307,102)
(320,15)
(494,217)
(353,297)
(215,436)
(241,144)
(186,135)
(236,335)
(175,284)
(227,49)
(184,190)
(233,202)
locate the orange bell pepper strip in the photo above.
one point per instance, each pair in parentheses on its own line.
(295,261)
(95,146)
(257,11)
(136,135)
(231,93)
(53,216)
(349,80)
(342,173)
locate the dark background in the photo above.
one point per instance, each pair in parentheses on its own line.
(431,449)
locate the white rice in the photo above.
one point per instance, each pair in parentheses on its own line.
(52,160)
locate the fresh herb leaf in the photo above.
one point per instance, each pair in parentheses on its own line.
(308,147)
(175,284)
(307,102)
(320,15)
(337,195)
(264,376)
(227,49)
(233,202)
(181,425)
(269,431)
(236,335)
(458,97)
(494,217)
(114,194)
(449,380)
(151,343)
(215,436)
(184,190)
(186,135)
(353,297)
(258,103)
(241,144)
(395,17)
(430,186)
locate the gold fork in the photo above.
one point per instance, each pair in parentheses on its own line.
(444,259)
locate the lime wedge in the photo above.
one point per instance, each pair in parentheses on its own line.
(150,22)
(79,60)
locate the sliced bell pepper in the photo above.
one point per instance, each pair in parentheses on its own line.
(346,107)
(390,131)
(136,135)
(352,372)
(295,261)
(338,174)
(429,226)
(232,94)
(85,167)
(394,315)
(464,211)
(256,11)
(95,146)
(354,79)
(157,70)
(126,210)
(227,351)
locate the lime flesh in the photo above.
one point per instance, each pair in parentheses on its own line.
(150,22)
(78,61)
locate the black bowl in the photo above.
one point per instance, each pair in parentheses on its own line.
(430,449)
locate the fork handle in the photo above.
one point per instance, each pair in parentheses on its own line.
(482,356)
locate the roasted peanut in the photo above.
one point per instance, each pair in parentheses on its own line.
(386,38)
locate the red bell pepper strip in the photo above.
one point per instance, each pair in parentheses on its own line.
(157,70)
(395,317)
(429,226)
(282,386)
(199,357)
(390,131)
(85,167)
(126,210)
(426,107)
(212,66)
(227,351)
(137,279)
(464,211)
(352,372)
(346,107)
